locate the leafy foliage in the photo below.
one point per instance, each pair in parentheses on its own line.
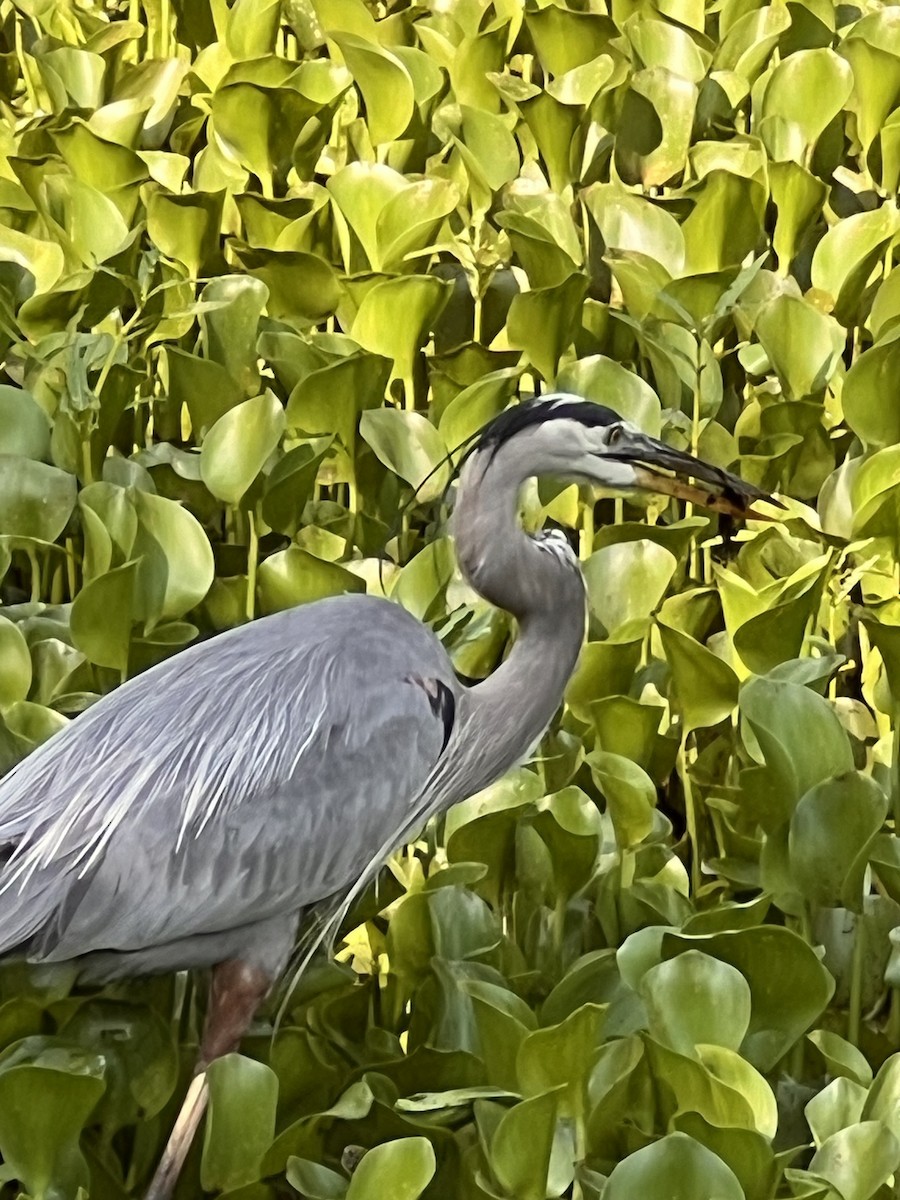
(262,266)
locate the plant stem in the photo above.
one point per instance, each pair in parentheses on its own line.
(856,969)
(252,560)
(87,467)
(586,536)
(690,812)
(71,574)
(34,563)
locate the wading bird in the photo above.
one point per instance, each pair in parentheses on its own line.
(193,816)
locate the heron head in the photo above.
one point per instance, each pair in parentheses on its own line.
(566,435)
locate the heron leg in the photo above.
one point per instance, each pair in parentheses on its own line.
(236,991)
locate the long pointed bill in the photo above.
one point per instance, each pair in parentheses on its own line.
(723,492)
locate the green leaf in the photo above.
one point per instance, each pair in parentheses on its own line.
(845,257)
(706,688)
(655,128)
(674,1168)
(291,484)
(410,446)
(140,1054)
(842,1058)
(600,378)
(693,1000)
(802,343)
(485,144)
(543,322)
(103,615)
(558,1059)
(36,501)
(804,93)
(630,796)
(475,405)
(725,222)
(877,423)
(295,576)
(252,27)
(391,216)
(315,1181)
(240,1124)
(177,567)
(48,1089)
(385,84)
(402,1168)
(396,316)
(799,734)
(15,664)
(858,1160)
(798,196)
(230,328)
(521,1146)
(238,446)
(630,222)
(789,986)
(883,1101)
(302,287)
(626,583)
(835,1107)
(832,829)
(24,426)
(185,227)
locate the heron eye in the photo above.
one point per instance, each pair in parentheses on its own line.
(614,435)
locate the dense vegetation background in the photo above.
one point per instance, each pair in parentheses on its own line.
(262,265)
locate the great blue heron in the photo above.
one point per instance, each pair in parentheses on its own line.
(189,818)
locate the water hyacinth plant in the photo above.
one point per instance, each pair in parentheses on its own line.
(264,265)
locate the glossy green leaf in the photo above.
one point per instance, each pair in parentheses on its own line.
(295,576)
(626,583)
(694,999)
(522,1144)
(629,793)
(867,415)
(177,566)
(832,829)
(396,316)
(47,1092)
(36,500)
(238,446)
(806,90)
(230,326)
(385,84)
(706,688)
(844,258)
(856,1161)
(789,986)
(24,426)
(406,1167)
(15,664)
(799,735)
(240,1124)
(675,1168)
(103,617)
(602,379)
(630,222)
(408,445)
(803,344)
(315,1181)
(657,117)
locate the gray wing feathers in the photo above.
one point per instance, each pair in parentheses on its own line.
(253,774)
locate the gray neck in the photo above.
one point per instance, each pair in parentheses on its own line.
(542,586)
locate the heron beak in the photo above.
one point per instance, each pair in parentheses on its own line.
(714,488)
